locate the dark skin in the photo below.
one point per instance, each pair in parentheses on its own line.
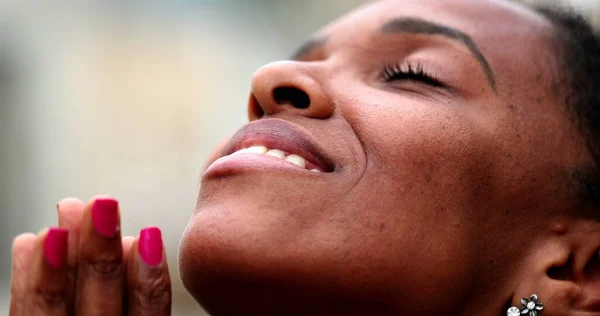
(442,200)
(88,271)
(444,191)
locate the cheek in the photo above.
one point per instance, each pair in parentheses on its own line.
(422,145)
(428,166)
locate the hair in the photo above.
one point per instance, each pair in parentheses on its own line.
(579,57)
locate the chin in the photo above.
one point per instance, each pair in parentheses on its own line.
(226,282)
(233,263)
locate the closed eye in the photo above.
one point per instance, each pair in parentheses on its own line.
(410,71)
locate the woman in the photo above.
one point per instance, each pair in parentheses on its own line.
(427,157)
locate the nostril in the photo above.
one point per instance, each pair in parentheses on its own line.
(293,96)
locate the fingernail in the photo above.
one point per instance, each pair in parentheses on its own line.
(105,216)
(150,246)
(55,247)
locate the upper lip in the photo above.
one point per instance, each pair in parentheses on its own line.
(279,134)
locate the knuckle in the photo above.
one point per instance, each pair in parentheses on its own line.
(154,293)
(107,269)
(49,295)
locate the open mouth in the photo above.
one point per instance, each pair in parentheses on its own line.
(271,143)
(295,159)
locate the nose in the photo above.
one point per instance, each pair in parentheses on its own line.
(289,86)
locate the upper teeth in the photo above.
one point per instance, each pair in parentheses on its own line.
(295,159)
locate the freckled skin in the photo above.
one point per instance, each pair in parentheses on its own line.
(435,191)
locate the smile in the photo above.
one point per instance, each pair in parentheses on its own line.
(271,144)
(297,160)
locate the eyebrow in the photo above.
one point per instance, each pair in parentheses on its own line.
(418,26)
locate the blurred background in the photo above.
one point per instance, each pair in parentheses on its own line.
(128,98)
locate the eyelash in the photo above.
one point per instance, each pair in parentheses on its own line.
(409,71)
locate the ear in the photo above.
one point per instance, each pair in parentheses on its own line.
(563,270)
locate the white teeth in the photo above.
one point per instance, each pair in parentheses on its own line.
(276,153)
(241,151)
(257,150)
(297,160)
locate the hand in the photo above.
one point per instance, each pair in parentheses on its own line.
(84,267)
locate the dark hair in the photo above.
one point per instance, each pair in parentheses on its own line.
(579,58)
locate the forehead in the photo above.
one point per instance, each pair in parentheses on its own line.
(478,18)
(511,36)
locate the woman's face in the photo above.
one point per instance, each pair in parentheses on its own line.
(442,147)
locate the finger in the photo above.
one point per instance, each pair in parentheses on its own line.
(70,215)
(148,276)
(126,243)
(100,272)
(22,251)
(46,292)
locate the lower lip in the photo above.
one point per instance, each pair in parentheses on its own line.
(248,162)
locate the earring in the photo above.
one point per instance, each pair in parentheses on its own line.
(531,307)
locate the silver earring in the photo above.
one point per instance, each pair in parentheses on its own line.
(531,307)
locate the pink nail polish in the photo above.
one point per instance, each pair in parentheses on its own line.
(150,246)
(105,216)
(55,247)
